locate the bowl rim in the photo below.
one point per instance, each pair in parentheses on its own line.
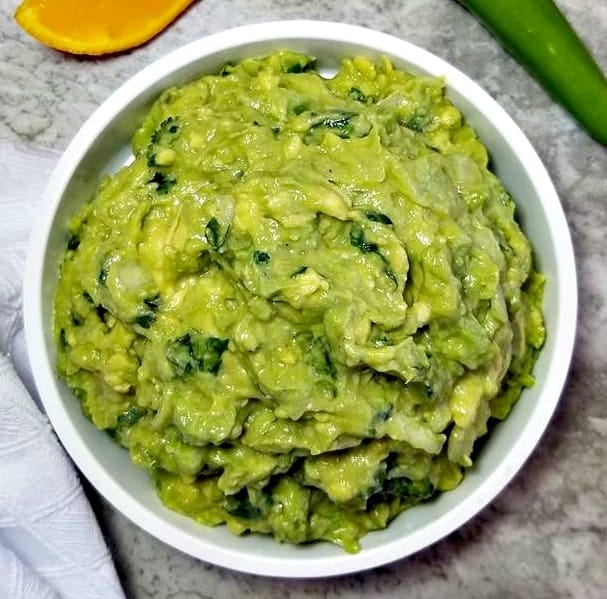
(44,376)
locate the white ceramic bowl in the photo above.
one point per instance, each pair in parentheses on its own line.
(103,145)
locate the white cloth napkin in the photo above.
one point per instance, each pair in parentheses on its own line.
(50,544)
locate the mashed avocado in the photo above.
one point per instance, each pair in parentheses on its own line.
(302,302)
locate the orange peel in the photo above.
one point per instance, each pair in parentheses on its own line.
(101,27)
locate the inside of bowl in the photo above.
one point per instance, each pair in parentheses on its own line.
(131,490)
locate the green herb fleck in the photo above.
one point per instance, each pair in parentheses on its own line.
(319,357)
(168,126)
(131,416)
(356,94)
(163,182)
(102,313)
(240,506)
(213,234)
(299,109)
(150,155)
(73,242)
(409,489)
(302,65)
(194,351)
(382,341)
(383,414)
(164,136)
(103,274)
(358,240)
(145,320)
(261,257)
(390,274)
(378,217)
(152,303)
(299,271)
(416,122)
(227,68)
(340,122)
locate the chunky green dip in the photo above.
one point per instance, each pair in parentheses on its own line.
(303,301)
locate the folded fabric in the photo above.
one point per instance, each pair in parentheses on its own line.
(18,581)
(50,542)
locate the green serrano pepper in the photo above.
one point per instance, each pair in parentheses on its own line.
(537,34)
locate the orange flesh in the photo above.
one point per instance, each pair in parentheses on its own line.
(96,27)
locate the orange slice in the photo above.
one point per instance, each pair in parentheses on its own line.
(98,26)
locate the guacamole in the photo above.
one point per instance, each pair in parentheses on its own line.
(303,301)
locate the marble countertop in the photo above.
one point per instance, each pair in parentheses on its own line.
(546,534)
